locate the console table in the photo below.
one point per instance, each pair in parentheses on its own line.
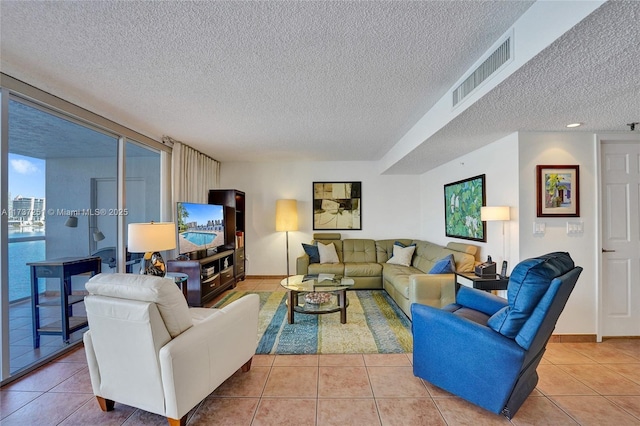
(62,269)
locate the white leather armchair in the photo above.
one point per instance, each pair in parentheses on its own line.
(147,349)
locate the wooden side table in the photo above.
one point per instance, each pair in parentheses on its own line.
(486,283)
(62,269)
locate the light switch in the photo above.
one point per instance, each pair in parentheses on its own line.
(538,228)
(575,227)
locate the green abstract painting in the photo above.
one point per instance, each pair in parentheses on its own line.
(462,202)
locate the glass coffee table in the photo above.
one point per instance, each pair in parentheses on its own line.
(317,294)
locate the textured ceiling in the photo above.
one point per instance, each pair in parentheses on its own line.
(260,81)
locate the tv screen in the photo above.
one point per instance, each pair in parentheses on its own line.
(200,226)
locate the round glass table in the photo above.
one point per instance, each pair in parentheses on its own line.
(317,294)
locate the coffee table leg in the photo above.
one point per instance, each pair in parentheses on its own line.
(342,301)
(290,301)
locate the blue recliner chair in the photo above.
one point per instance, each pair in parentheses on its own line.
(486,349)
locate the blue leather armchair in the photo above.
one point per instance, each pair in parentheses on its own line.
(486,349)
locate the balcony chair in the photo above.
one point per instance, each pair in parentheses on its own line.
(486,349)
(147,349)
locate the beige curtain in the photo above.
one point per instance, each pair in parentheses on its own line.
(193,174)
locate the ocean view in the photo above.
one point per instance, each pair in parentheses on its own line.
(20,253)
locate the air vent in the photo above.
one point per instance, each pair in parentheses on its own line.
(498,58)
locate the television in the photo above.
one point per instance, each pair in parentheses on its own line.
(200,228)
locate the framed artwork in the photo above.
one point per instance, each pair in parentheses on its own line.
(462,202)
(558,191)
(337,205)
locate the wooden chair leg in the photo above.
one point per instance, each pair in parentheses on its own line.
(176,422)
(105,404)
(247,365)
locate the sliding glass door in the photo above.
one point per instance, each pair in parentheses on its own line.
(69,189)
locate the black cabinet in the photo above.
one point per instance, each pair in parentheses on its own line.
(234,204)
(208,276)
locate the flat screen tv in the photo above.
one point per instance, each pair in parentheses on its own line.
(200,227)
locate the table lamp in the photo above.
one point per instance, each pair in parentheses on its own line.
(501,213)
(287,220)
(150,239)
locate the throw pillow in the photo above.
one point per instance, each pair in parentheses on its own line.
(446,265)
(312,251)
(402,255)
(398,243)
(328,253)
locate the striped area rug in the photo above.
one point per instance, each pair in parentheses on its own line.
(374,325)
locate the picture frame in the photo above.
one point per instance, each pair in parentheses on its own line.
(558,190)
(337,205)
(463,200)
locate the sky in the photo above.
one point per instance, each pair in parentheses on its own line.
(26,176)
(201,213)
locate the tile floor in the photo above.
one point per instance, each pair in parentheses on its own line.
(580,383)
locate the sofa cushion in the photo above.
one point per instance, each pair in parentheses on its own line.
(384,248)
(528,283)
(446,265)
(358,250)
(326,268)
(362,269)
(312,251)
(328,253)
(163,292)
(402,255)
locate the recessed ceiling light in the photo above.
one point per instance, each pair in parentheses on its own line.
(572,125)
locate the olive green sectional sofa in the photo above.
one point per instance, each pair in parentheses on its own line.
(365,261)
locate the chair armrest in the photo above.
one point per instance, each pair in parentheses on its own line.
(463,357)
(197,361)
(302,264)
(480,300)
(432,289)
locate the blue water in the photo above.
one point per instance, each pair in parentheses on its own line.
(19,254)
(199,238)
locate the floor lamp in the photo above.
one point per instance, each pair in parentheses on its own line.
(287,220)
(501,213)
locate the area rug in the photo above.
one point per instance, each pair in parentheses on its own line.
(375,324)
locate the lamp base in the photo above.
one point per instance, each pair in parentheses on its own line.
(153,265)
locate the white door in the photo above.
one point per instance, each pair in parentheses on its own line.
(620,239)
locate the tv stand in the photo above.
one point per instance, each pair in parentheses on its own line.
(208,276)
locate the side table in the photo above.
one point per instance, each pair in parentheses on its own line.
(486,283)
(180,279)
(62,269)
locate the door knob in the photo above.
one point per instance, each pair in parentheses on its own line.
(608,251)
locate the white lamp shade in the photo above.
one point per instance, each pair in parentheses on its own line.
(151,237)
(286,215)
(495,213)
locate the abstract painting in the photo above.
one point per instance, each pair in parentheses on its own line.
(337,205)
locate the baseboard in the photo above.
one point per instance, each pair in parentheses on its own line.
(572,338)
(265,277)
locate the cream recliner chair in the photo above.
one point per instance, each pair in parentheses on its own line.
(147,349)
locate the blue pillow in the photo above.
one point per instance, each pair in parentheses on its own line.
(446,265)
(398,243)
(312,251)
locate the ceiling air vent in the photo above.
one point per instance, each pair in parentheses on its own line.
(498,58)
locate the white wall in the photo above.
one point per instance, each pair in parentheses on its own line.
(390,206)
(497,162)
(579,316)
(413,207)
(510,167)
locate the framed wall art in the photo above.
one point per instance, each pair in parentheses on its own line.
(337,205)
(462,202)
(558,191)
